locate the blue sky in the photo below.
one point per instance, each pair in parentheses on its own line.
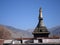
(23,14)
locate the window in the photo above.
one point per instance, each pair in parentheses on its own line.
(40,30)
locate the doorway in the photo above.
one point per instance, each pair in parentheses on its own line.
(40,40)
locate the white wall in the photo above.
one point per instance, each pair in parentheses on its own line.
(7,41)
(23,41)
(51,40)
(16,42)
(35,41)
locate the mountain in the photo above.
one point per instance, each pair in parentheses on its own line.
(30,30)
(4,33)
(16,33)
(55,31)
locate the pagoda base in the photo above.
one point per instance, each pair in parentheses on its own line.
(41,35)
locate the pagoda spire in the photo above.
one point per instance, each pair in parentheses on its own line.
(40,18)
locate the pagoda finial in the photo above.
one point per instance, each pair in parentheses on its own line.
(40,13)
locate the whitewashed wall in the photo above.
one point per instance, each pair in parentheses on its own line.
(16,42)
(23,41)
(7,41)
(35,41)
(51,40)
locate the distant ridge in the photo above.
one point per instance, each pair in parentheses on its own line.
(55,31)
(17,33)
